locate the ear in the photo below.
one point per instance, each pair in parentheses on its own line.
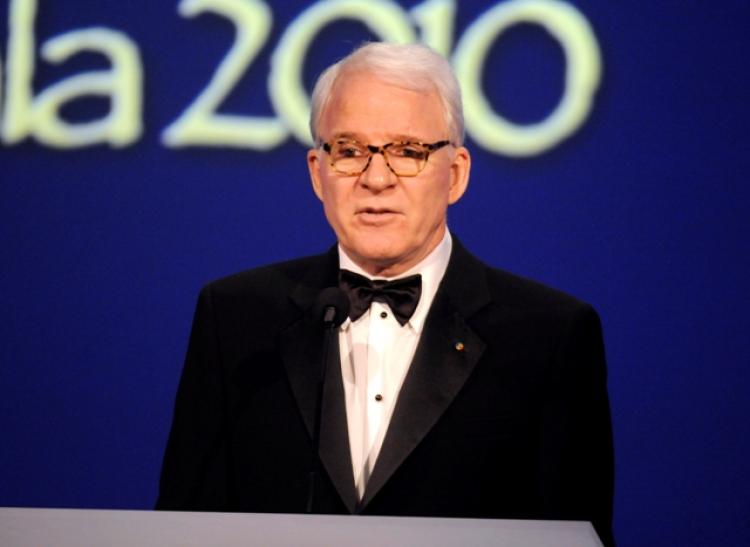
(460,169)
(314,165)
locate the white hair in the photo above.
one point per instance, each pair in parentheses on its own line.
(410,66)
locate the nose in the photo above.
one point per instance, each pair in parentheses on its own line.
(378,176)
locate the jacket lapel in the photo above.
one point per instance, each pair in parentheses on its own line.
(335,452)
(301,348)
(447,352)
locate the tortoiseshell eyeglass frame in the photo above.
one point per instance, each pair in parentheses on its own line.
(431,147)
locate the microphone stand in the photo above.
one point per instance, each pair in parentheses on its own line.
(329,323)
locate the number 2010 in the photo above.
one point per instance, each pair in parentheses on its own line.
(25,114)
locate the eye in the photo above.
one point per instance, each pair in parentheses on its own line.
(348,149)
(408,150)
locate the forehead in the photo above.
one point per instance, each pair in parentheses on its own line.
(364,107)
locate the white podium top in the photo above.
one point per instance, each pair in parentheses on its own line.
(98,528)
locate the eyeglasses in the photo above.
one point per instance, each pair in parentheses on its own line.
(404,159)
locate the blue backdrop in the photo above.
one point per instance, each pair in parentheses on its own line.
(643,212)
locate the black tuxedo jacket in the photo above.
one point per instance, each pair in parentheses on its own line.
(514,425)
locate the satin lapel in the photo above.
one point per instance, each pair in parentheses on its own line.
(440,366)
(301,348)
(335,452)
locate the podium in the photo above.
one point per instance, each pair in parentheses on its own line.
(97,528)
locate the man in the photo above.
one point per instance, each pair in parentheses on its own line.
(457,390)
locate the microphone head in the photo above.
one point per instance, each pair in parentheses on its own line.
(331,306)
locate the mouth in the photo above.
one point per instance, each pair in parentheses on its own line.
(375,215)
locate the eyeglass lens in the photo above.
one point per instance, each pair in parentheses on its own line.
(405,159)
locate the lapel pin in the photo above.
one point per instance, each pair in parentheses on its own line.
(459,346)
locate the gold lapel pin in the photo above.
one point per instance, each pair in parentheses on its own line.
(459,346)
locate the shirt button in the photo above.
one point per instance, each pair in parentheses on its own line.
(378,397)
(383,314)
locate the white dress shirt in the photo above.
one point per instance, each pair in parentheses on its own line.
(376,352)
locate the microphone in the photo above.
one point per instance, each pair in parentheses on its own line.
(331,308)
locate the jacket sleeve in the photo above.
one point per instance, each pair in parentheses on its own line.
(576,450)
(193,475)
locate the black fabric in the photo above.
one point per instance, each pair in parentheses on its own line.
(513,422)
(401,295)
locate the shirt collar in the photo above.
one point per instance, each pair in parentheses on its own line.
(431,268)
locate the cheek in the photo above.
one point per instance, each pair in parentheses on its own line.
(335,204)
(431,206)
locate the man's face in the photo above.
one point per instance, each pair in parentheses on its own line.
(386,223)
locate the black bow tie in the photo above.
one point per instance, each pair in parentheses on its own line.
(401,295)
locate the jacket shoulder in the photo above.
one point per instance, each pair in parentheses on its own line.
(476,287)
(517,292)
(269,296)
(265,280)
(473,279)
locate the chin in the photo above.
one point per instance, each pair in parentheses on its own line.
(379,252)
(379,255)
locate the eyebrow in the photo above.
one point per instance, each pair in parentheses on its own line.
(346,135)
(394,138)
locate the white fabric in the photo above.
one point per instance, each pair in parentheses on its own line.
(376,352)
